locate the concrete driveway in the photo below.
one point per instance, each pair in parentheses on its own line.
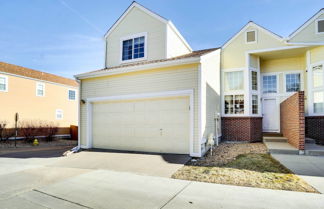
(163,165)
(63,182)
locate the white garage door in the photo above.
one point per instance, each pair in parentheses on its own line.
(150,125)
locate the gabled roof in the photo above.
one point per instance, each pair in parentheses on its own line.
(309,21)
(152,14)
(251,23)
(26,72)
(194,54)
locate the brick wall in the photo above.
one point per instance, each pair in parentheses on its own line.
(292,120)
(242,129)
(315,128)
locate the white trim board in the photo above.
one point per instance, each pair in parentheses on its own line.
(189,92)
(136,68)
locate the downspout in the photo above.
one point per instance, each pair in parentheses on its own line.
(77,148)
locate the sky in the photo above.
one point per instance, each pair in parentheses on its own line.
(65,37)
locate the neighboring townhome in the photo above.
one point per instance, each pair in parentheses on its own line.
(155,94)
(261,73)
(37,97)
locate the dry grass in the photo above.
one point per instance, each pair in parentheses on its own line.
(243,165)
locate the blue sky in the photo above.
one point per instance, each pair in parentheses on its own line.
(65,37)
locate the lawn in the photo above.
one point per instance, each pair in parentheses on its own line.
(243,165)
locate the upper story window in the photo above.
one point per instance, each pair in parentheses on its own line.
(292,82)
(251,36)
(269,84)
(320,26)
(72,95)
(40,89)
(233,81)
(134,47)
(3,83)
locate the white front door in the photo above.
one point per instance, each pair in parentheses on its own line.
(270,110)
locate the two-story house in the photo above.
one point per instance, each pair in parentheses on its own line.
(37,96)
(155,93)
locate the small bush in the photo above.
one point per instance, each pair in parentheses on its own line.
(51,130)
(29,130)
(5,133)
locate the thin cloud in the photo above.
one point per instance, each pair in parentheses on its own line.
(88,22)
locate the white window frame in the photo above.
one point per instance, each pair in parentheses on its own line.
(57,112)
(278,84)
(234,115)
(74,93)
(258,104)
(243,92)
(311,89)
(316,26)
(256,37)
(6,83)
(300,72)
(133,37)
(257,77)
(42,84)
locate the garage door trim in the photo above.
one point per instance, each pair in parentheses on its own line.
(189,92)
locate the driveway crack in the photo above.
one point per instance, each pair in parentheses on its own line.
(174,196)
(62,199)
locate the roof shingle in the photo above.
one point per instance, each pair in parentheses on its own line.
(26,72)
(197,53)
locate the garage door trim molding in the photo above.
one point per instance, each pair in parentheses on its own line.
(189,92)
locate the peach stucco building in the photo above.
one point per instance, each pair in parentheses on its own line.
(37,96)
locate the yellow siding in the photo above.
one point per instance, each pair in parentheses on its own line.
(233,55)
(156,35)
(254,61)
(21,97)
(317,54)
(308,34)
(278,65)
(155,80)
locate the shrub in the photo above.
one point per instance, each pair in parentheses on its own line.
(28,130)
(51,130)
(5,133)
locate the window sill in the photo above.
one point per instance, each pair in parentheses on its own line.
(133,60)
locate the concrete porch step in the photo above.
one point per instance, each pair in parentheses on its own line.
(281,148)
(275,139)
(309,141)
(314,150)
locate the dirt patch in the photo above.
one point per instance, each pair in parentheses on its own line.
(243,165)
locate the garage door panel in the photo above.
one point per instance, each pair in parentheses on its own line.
(152,125)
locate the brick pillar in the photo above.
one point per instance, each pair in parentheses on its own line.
(292,120)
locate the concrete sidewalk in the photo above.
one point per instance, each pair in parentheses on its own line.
(116,190)
(310,168)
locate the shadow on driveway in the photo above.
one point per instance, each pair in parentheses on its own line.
(49,152)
